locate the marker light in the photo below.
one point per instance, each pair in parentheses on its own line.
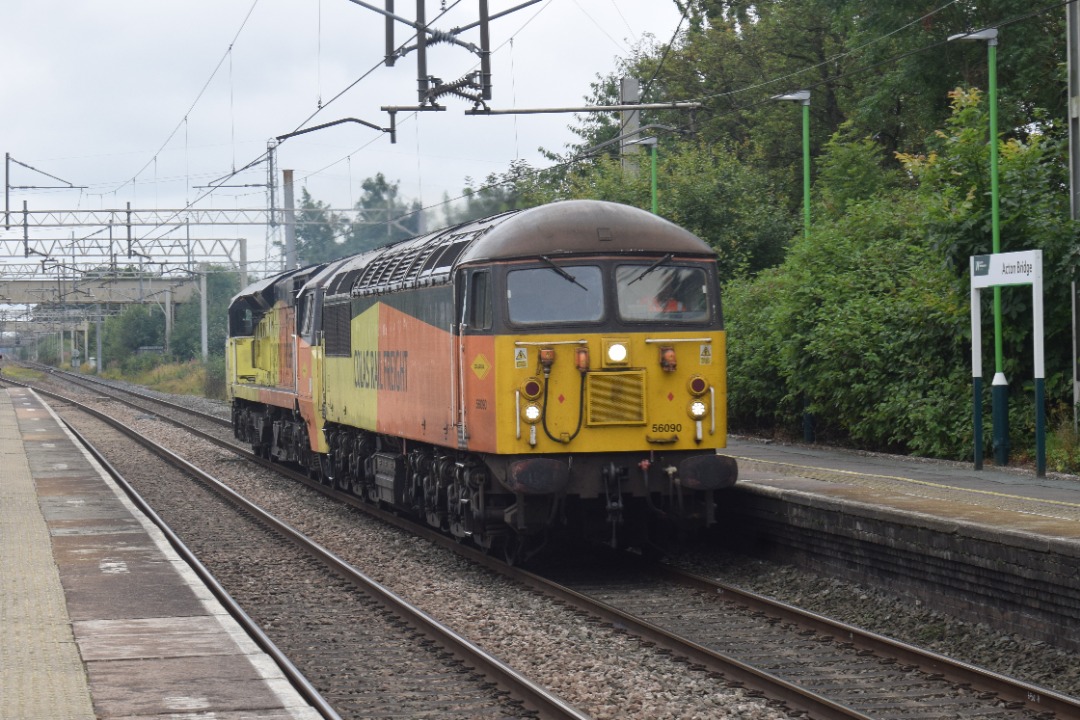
(616,352)
(698,409)
(532,413)
(547,358)
(581,359)
(531,388)
(697,385)
(667,358)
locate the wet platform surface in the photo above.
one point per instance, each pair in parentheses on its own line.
(99,617)
(1003,498)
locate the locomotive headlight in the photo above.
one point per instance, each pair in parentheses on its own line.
(617,353)
(698,409)
(531,414)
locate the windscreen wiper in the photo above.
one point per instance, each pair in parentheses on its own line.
(562,273)
(652,267)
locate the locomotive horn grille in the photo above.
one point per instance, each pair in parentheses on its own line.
(615,398)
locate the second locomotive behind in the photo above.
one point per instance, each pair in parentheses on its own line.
(557,371)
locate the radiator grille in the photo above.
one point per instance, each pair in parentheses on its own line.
(337,326)
(616,398)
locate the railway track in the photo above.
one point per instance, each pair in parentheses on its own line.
(862,673)
(810,664)
(396,660)
(205,422)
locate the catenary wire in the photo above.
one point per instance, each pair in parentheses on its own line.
(198,97)
(579,158)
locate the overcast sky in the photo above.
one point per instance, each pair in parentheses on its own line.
(140,100)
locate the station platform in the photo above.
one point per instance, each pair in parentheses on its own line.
(998,544)
(99,616)
(1008,499)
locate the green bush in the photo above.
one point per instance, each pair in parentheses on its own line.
(140,363)
(1063,450)
(866,324)
(214,384)
(860,327)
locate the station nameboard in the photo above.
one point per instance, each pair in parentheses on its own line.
(1015,268)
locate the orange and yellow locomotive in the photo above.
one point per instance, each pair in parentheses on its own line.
(557,371)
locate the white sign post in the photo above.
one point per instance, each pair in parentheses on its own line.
(1015,268)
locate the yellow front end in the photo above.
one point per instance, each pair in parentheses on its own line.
(604,393)
(239,367)
(260,366)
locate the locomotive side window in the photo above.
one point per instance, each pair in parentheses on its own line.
(241,322)
(480,301)
(669,293)
(555,293)
(306,310)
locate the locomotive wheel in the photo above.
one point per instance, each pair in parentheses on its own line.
(326,469)
(513,549)
(489,543)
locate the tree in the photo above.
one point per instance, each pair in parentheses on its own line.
(880,66)
(221,285)
(954,196)
(866,323)
(320,233)
(519,187)
(136,327)
(382,217)
(707,190)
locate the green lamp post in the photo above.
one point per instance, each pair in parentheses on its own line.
(1000,387)
(803,97)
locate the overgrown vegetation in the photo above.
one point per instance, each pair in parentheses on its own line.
(135,347)
(180,378)
(22,374)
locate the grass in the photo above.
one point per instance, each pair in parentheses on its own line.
(16,372)
(187,378)
(1063,449)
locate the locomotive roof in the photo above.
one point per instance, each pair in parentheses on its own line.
(583,226)
(564,228)
(261,293)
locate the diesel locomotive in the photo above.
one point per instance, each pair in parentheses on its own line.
(556,372)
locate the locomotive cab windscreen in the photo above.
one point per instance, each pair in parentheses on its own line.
(670,294)
(555,293)
(663,291)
